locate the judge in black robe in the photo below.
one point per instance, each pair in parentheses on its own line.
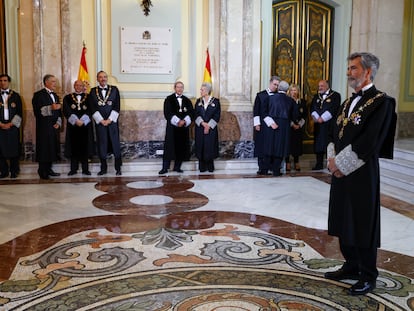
(48,114)
(105,103)
(10,122)
(79,132)
(363,131)
(278,116)
(179,113)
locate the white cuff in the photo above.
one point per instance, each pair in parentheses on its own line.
(326,116)
(256,121)
(174,120)
(114,116)
(16,121)
(212,123)
(46,111)
(269,121)
(187,120)
(97,117)
(347,161)
(72,119)
(315,116)
(85,119)
(198,121)
(330,151)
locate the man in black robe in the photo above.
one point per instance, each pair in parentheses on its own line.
(10,122)
(79,133)
(48,114)
(362,132)
(279,113)
(259,126)
(324,107)
(105,103)
(179,113)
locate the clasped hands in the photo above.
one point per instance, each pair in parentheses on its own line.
(106,122)
(206,127)
(333,168)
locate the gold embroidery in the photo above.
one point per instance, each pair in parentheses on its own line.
(102,101)
(78,104)
(7,100)
(355,116)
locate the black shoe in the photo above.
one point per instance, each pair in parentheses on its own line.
(163,171)
(13,175)
(341,274)
(71,173)
(87,173)
(211,170)
(53,173)
(362,288)
(179,170)
(118,173)
(4,175)
(263,172)
(44,176)
(102,172)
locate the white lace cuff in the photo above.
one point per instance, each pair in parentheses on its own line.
(330,151)
(347,161)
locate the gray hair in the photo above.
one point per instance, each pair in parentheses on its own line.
(368,60)
(283,86)
(207,86)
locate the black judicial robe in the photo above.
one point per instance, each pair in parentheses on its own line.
(354,205)
(10,138)
(321,131)
(107,137)
(177,139)
(258,111)
(296,136)
(47,137)
(207,145)
(281,108)
(78,139)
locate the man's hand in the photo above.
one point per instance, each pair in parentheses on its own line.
(56,106)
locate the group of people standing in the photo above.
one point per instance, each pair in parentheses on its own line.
(101,104)
(292,119)
(180,115)
(278,118)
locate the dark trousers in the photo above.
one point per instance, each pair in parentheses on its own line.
(319,160)
(166,164)
(13,168)
(205,165)
(104,164)
(74,164)
(44,169)
(360,260)
(276,164)
(264,163)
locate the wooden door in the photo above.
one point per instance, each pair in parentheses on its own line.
(302,48)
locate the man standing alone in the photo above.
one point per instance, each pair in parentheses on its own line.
(362,132)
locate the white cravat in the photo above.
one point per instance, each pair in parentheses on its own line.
(6,106)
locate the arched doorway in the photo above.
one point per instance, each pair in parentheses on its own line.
(302,47)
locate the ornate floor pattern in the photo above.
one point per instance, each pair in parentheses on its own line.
(174,244)
(226,267)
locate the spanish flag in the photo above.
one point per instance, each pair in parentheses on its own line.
(83,70)
(207,70)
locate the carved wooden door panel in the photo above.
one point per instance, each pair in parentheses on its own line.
(302,47)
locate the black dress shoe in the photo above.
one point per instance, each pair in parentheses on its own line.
(87,173)
(44,176)
(71,173)
(179,170)
(4,175)
(118,173)
(341,274)
(13,175)
(163,171)
(53,173)
(362,288)
(103,172)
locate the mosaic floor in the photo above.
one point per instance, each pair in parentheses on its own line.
(188,242)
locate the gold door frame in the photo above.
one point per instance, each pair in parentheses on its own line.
(301,52)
